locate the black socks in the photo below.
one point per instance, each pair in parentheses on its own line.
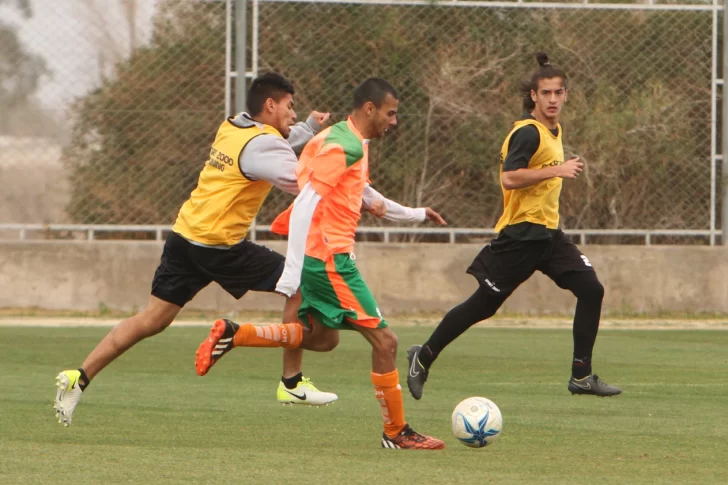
(426,357)
(581,367)
(292,382)
(83,381)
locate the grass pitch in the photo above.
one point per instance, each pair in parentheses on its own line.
(149,419)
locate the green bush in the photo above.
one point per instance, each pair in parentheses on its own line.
(638,111)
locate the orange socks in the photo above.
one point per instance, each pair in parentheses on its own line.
(389,395)
(288,335)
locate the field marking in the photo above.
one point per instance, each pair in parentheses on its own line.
(635,385)
(397,322)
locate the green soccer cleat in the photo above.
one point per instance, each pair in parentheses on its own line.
(67,395)
(304,393)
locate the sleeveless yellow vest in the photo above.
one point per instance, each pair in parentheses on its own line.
(224,203)
(539,203)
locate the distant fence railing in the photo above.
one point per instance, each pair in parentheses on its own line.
(106,232)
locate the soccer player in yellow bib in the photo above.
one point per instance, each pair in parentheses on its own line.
(529,239)
(252,153)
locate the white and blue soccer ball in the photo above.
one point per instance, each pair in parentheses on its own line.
(477,422)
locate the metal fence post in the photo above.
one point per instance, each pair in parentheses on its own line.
(241,38)
(724,137)
(228,55)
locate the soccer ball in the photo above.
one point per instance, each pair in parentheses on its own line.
(477,422)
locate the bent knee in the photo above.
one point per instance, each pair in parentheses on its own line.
(330,342)
(333,341)
(592,290)
(596,290)
(387,341)
(152,323)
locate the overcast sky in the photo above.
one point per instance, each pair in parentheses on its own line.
(79,40)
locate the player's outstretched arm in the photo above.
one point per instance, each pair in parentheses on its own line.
(380,206)
(433,216)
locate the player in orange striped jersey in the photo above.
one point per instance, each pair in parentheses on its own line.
(333,175)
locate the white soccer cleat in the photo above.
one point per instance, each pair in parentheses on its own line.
(67,395)
(304,393)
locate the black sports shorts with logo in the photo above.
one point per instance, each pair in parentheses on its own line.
(505,263)
(186,268)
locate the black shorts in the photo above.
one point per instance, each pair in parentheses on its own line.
(186,268)
(505,263)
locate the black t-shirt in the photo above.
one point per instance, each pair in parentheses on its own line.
(521,147)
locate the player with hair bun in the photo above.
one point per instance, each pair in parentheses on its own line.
(531,172)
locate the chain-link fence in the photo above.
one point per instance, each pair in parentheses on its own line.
(129,94)
(640,111)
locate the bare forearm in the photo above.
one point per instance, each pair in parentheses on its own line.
(525,177)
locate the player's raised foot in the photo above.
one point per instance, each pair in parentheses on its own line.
(409,439)
(67,395)
(593,385)
(304,393)
(417,374)
(217,344)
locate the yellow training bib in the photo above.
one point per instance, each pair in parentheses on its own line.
(224,203)
(539,203)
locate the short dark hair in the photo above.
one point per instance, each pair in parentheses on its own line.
(375,90)
(269,85)
(545,70)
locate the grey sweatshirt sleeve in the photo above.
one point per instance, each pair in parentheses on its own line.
(301,133)
(270,158)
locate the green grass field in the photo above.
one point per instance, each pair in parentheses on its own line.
(150,419)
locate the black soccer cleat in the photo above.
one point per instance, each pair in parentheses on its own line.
(417,374)
(593,385)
